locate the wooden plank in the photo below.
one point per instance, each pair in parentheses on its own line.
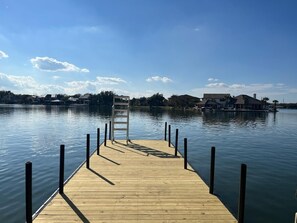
(139,182)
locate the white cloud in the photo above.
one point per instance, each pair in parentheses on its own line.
(214,85)
(272,91)
(16,82)
(280,84)
(241,87)
(293,90)
(26,85)
(237,86)
(149,93)
(53,65)
(75,87)
(158,78)
(95,86)
(3,55)
(56,77)
(213,79)
(110,80)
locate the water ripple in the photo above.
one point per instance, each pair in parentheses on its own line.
(266,143)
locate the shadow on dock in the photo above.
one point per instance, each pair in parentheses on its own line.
(147,150)
(102,177)
(115,149)
(110,160)
(75,209)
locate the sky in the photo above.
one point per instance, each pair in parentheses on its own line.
(142,47)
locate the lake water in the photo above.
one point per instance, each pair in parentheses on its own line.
(267,143)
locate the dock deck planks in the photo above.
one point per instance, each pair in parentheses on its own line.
(141,182)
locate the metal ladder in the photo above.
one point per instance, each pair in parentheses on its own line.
(120,116)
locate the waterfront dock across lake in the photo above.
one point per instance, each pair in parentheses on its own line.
(140,182)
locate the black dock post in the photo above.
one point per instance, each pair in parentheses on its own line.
(98,140)
(105,134)
(185,153)
(241,203)
(176,142)
(61,176)
(109,137)
(88,152)
(165,131)
(212,170)
(169,135)
(29,192)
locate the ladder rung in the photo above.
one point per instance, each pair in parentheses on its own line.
(120,110)
(120,116)
(120,129)
(121,103)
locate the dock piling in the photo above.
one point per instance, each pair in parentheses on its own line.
(165,131)
(88,152)
(109,137)
(176,142)
(98,141)
(105,134)
(29,192)
(61,176)
(185,153)
(212,170)
(169,135)
(242,189)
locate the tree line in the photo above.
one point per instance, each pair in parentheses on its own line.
(177,101)
(104,98)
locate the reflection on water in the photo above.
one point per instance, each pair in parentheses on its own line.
(154,112)
(209,118)
(75,109)
(266,142)
(157,113)
(240,118)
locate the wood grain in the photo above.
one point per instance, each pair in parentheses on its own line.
(141,182)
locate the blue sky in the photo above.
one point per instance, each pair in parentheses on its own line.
(141,47)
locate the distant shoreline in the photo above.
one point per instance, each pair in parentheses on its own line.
(291,106)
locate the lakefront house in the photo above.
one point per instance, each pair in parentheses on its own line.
(245,102)
(227,103)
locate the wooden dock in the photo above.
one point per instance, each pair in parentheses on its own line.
(141,182)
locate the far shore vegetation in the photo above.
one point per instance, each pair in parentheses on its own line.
(105,99)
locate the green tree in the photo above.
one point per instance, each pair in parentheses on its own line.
(104,98)
(156,100)
(143,101)
(135,102)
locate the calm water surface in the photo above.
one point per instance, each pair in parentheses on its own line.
(267,143)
